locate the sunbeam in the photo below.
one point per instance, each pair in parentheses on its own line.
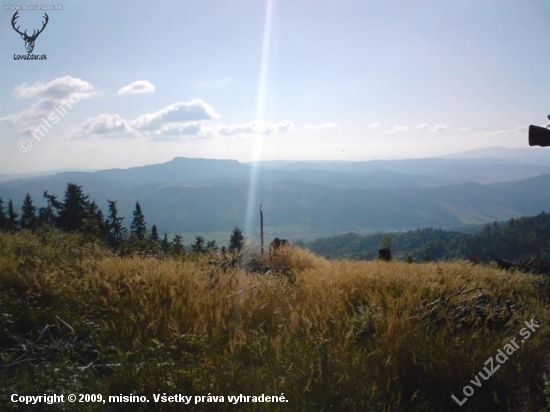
(256,147)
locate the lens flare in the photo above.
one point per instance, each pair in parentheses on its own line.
(256,148)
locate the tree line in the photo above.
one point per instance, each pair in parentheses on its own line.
(76,213)
(515,240)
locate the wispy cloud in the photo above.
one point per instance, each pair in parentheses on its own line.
(436,128)
(232,129)
(398,129)
(253,128)
(281,127)
(49,95)
(106,124)
(179,120)
(59,88)
(137,87)
(194,110)
(501,132)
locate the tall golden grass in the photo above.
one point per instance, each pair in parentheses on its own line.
(346,336)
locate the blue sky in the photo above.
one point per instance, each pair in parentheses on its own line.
(271,79)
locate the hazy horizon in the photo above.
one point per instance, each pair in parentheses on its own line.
(533,153)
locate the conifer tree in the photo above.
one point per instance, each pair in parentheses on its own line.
(138,227)
(94,223)
(49,215)
(74,209)
(3,217)
(115,231)
(154,233)
(212,245)
(236,241)
(165,244)
(177,245)
(28,214)
(13,223)
(199,245)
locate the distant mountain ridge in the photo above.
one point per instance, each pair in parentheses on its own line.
(177,170)
(365,174)
(205,195)
(532,154)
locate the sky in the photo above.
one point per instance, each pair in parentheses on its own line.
(132,83)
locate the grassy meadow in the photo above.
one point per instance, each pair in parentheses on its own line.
(345,336)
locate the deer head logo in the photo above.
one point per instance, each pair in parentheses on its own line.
(29,40)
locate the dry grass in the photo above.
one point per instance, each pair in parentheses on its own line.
(346,336)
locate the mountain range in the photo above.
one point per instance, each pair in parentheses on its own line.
(309,199)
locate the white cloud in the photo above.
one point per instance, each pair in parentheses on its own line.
(229,129)
(253,128)
(106,124)
(437,128)
(56,89)
(375,125)
(515,130)
(398,129)
(186,129)
(137,87)
(176,121)
(321,126)
(175,132)
(195,110)
(281,127)
(62,92)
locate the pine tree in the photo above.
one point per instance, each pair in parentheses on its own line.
(177,245)
(165,245)
(74,209)
(94,224)
(199,245)
(212,245)
(28,214)
(153,244)
(115,231)
(236,241)
(138,227)
(13,223)
(49,215)
(154,233)
(3,217)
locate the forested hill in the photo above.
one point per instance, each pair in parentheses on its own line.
(515,239)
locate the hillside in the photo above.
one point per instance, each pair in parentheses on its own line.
(361,335)
(202,195)
(516,239)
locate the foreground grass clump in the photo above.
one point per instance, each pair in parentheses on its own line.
(346,336)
